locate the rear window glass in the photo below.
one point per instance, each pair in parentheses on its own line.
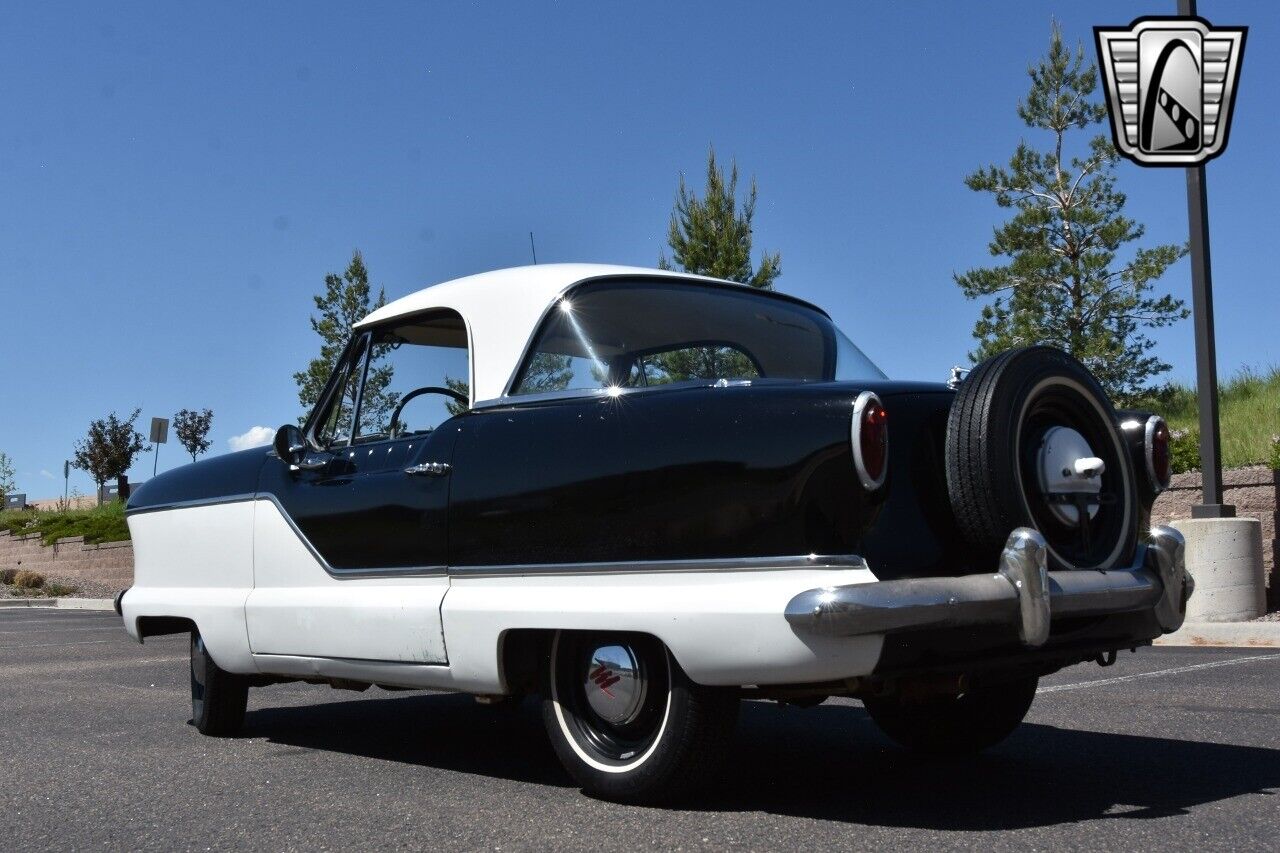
(637,333)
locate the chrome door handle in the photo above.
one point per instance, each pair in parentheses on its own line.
(309,464)
(429,469)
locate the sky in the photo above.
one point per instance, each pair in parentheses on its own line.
(177,179)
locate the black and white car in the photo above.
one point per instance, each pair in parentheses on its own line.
(645,496)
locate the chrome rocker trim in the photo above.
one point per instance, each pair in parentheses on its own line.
(1022,593)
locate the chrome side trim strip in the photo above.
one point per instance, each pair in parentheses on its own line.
(225,499)
(378,661)
(387,572)
(637,567)
(332,571)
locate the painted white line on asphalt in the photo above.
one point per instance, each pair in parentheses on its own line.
(106,627)
(76,668)
(1122,678)
(48,645)
(13,618)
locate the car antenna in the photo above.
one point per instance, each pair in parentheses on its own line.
(533,249)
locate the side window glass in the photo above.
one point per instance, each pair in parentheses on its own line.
(685,363)
(417,378)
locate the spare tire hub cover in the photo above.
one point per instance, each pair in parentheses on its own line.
(1067,466)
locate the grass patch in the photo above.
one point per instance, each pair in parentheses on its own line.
(1248,411)
(98,524)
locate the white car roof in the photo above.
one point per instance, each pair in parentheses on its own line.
(501,310)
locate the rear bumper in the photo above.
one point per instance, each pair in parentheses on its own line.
(1021,594)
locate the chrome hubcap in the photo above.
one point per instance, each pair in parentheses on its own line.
(614,685)
(1067,467)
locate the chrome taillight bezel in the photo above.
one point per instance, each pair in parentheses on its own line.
(860,405)
(1154,423)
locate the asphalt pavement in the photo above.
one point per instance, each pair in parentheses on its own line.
(1171,748)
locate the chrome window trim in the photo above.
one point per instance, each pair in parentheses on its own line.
(607,393)
(855,437)
(1148,451)
(326,395)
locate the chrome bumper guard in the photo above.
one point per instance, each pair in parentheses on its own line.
(1022,593)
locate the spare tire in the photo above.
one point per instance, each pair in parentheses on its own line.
(1032,441)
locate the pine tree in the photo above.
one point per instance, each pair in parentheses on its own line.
(1063,284)
(8,485)
(712,236)
(345,302)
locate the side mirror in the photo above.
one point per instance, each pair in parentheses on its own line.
(289,444)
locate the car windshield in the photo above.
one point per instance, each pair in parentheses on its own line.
(642,332)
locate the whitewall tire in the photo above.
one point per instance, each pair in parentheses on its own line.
(627,723)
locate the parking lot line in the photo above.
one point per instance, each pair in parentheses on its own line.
(107,627)
(1160,672)
(72,616)
(50,645)
(46,670)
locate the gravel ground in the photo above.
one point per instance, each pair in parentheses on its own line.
(1270,617)
(84,589)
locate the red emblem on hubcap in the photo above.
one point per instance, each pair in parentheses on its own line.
(604,678)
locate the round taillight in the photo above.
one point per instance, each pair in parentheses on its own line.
(870,440)
(1157,452)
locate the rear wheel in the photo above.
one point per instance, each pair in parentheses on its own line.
(973,721)
(218,697)
(627,723)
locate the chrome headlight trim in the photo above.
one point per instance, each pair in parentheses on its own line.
(869,483)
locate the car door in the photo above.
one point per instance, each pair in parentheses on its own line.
(351,543)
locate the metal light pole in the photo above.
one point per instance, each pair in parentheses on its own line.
(1211,505)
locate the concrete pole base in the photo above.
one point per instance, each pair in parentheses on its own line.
(1224,555)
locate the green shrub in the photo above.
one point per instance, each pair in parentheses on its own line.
(1275,452)
(1184,450)
(58,590)
(7,576)
(28,580)
(104,523)
(16,521)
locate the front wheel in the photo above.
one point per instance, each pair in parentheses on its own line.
(627,723)
(218,697)
(973,721)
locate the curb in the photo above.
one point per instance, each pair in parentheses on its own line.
(85,604)
(1238,634)
(60,603)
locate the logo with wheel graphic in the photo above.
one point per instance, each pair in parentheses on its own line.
(1170,84)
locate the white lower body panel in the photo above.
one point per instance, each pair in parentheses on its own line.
(196,563)
(298,608)
(724,627)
